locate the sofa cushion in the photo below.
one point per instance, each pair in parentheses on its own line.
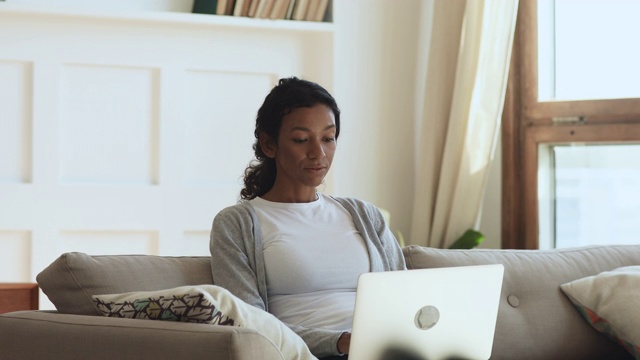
(206,303)
(71,280)
(609,302)
(535,319)
(186,304)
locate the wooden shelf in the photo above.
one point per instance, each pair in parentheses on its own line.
(18,296)
(174,18)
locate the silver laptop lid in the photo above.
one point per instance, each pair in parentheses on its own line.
(426,314)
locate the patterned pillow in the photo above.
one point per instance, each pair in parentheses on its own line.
(204,304)
(609,302)
(187,304)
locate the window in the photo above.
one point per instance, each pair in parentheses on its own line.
(586,49)
(593,194)
(571,125)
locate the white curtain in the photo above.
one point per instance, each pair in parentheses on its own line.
(466,77)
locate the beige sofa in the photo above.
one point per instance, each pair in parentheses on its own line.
(535,319)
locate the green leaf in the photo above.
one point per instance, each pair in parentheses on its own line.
(470,239)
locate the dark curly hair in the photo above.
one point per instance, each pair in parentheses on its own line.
(290,93)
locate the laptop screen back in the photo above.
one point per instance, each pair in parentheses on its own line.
(426,314)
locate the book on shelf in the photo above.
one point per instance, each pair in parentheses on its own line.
(253,7)
(264,8)
(304,10)
(230,6)
(312,7)
(279,10)
(321,10)
(222,5)
(316,10)
(241,7)
(300,9)
(237,8)
(268,9)
(204,7)
(225,7)
(290,10)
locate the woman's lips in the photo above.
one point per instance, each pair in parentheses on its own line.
(316,168)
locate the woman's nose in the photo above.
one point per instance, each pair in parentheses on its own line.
(316,151)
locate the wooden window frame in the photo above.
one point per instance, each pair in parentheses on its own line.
(528,123)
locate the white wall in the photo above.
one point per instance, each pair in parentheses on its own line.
(376,47)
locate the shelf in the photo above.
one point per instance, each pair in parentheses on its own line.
(173,18)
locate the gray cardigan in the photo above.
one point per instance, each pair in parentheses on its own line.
(238,262)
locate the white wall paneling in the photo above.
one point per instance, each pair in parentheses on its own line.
(194,242)
(15,121)
(108,125)
(211,125)
(126,132)
(15,244)
(109,242)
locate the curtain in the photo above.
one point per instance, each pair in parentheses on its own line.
(458,128)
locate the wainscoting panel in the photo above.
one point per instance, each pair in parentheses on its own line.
(195,243)
(109,242)
(15,244)
(15,121)
(108,125)
(221,110)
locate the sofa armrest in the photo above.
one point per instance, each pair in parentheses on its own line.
(51,335)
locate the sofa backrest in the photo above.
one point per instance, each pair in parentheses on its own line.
(71,280)
(535,319)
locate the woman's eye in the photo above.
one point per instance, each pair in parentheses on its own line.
(299,141)
(329,139)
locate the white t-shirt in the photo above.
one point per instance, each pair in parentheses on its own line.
(313,257)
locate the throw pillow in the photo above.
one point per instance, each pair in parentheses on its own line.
(609,302)
(204,304)
(186,303)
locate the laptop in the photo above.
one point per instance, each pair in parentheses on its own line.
(426,314)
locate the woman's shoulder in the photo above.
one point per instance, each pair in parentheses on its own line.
(356,204)
(240,210)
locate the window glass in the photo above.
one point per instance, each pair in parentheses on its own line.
(596,195)
(587,49)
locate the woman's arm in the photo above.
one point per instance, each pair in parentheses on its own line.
(233,260)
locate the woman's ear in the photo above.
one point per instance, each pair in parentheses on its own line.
(268,145)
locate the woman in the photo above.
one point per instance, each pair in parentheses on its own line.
(288,249)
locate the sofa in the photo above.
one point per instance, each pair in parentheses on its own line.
(536,318)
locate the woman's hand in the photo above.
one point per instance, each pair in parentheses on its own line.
(344,342)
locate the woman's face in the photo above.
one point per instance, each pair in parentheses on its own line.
(305,148)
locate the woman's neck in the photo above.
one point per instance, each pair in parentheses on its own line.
(290,196)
